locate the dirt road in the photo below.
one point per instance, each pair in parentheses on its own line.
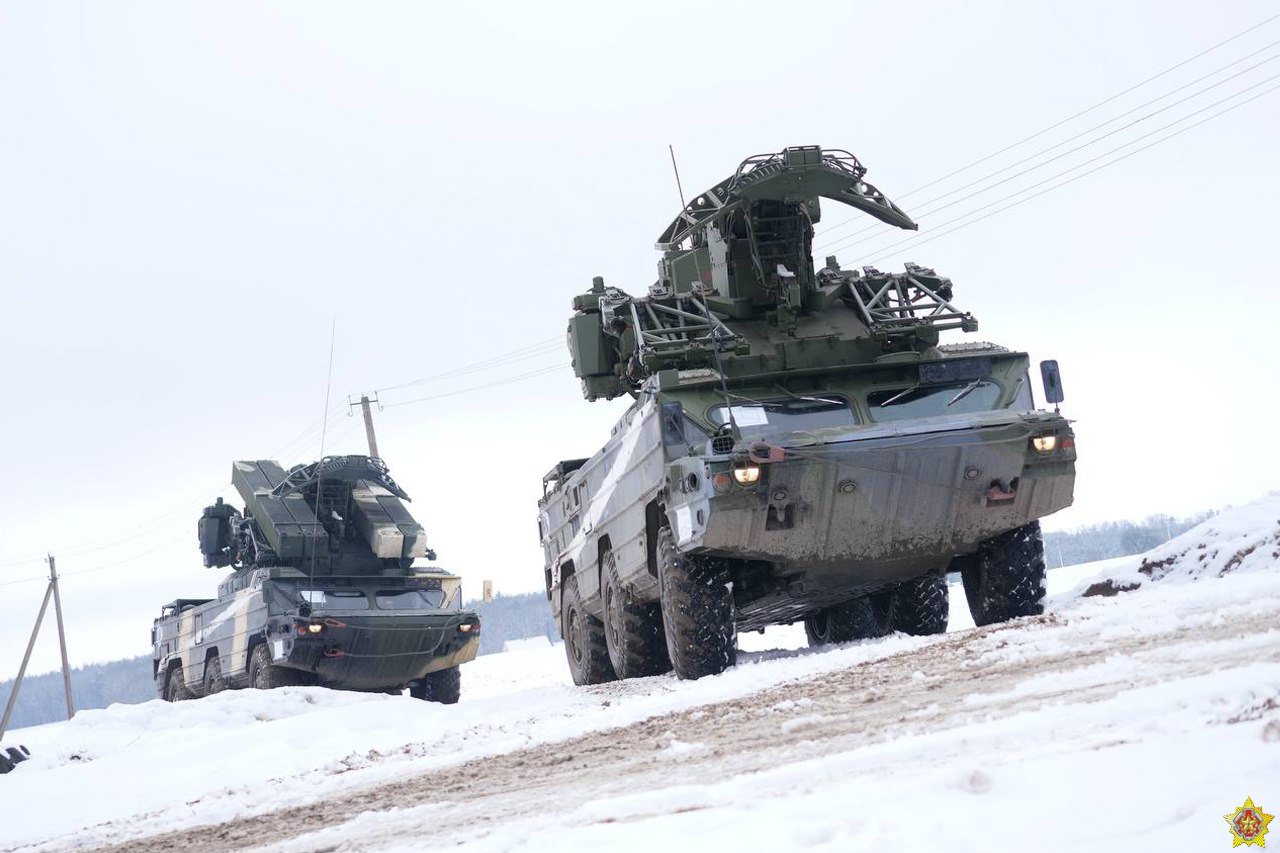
(960,680)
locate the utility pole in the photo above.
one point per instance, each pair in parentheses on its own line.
(51,591)
(368,422)
(62,636)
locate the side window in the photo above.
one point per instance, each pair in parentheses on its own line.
(1023,400)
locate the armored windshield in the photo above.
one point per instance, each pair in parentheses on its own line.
(928,401)
(789,414)
(335,599)
(410,599)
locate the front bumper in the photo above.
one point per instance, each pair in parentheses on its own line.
(879,508)
(362,651)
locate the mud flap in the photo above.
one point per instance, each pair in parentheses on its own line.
(12,757)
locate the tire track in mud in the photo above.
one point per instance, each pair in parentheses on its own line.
(903,695)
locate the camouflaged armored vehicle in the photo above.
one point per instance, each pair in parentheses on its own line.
(801,445)
(323,591)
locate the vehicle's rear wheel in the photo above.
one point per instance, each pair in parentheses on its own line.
(1005,579)
(214,682)
(584,642)
(175,688)
(921,606)
(443,686)
(863,618)
(697,610)
(264,675)
(633,631)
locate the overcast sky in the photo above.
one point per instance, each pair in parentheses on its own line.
(191,193)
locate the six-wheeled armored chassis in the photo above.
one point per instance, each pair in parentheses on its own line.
(324,591)
(801,446)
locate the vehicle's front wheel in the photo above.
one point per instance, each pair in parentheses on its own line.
(264,675)
(862,618)
(1005,579)
(584,642)
(697,610)
(443,686)
(214,682)
(633,630)
(175,687)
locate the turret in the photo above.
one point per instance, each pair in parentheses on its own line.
(738,292)
(342,515)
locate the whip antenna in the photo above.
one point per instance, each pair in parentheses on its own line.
(713,328)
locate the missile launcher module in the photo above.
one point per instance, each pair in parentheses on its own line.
(801,445)
(323,591)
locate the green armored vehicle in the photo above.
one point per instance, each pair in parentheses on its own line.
(323,591)
(801,445)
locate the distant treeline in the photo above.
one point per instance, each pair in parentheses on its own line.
(1114,539)
(95,686)
(507,617)
(513,617)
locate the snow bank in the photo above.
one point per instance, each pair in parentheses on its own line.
(1240,540)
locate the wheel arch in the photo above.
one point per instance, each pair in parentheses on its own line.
(255,640)
(655,518)
(603,545)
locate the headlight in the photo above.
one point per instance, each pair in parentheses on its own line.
(1045,443)
(747,475)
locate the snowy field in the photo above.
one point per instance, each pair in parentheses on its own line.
(1134,721)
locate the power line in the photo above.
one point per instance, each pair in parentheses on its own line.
(876,226)
(530,351)
(84,547)
(1192,114)
(1083,112)
(1074,178)
(350,430)
(520,378)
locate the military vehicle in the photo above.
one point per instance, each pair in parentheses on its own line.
(324,591)
(800,446)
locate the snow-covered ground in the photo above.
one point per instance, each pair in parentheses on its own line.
(1133,721)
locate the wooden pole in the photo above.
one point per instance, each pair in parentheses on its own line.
(62,637)
(22,670)
(368,426)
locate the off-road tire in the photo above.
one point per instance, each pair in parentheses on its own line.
(633,630)
(175,687)
(443,686)
(214,680)
(264,675)
(697,610)
(1005,579)
(584,642)
(921,606)
(863,618)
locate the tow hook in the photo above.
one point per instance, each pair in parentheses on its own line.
(998,492)
(763,451)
